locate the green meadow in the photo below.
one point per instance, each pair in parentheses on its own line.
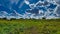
(30,26)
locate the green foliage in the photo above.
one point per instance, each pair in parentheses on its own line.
(30,26)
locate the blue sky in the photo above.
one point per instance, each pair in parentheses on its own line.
(30,6)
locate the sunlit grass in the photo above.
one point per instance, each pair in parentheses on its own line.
(30,26)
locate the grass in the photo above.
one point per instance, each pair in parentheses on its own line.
(30,26)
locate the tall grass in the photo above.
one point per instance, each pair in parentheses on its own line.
(30,26)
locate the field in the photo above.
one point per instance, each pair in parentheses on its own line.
(30,26)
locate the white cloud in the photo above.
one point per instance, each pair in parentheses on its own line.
(27,2)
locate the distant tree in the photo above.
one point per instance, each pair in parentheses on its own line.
(4,18)
(43,17)
(13,18)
